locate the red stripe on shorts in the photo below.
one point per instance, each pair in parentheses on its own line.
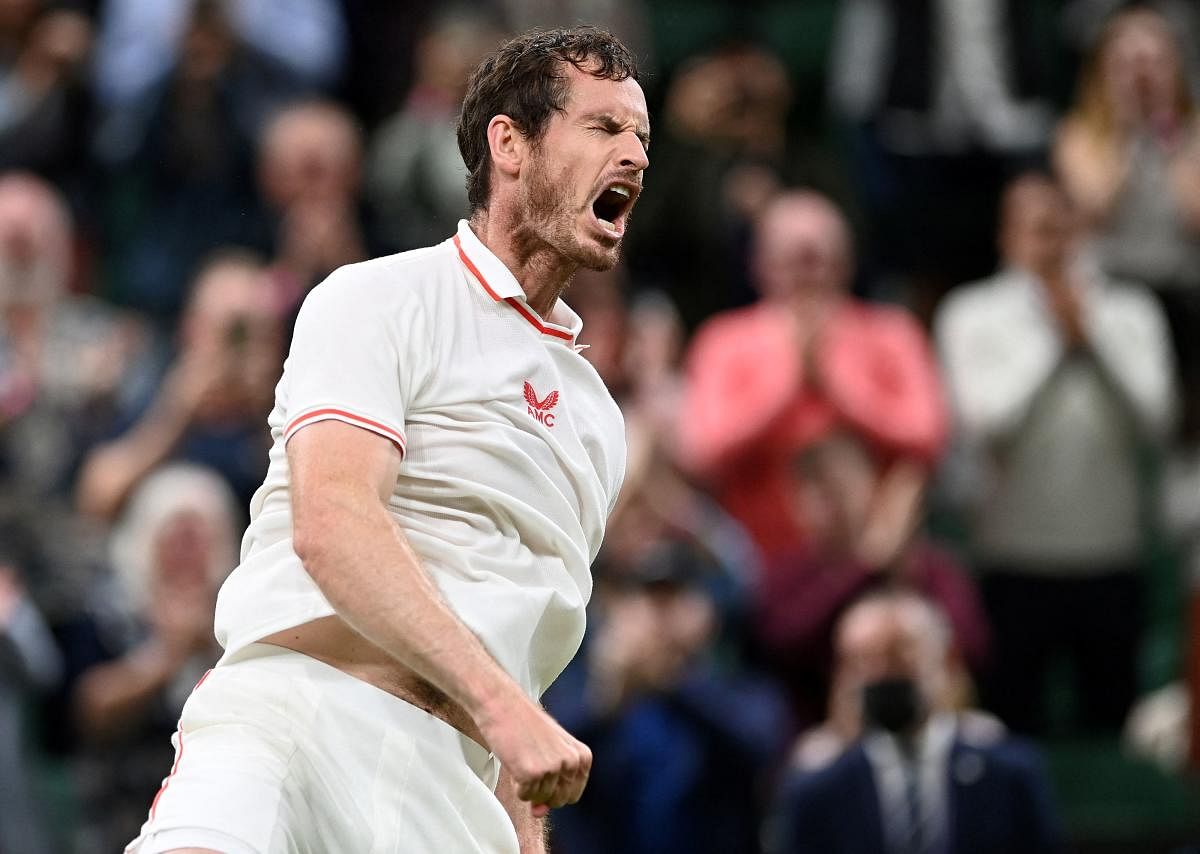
(178,754)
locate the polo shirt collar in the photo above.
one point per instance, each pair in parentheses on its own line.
(499,282)
(495,278)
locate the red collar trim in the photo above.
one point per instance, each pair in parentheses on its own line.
(521,308)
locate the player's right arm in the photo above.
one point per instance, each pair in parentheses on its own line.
(341,479)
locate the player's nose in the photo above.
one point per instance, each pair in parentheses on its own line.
(632,154)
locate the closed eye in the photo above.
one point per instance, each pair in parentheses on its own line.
(610,126)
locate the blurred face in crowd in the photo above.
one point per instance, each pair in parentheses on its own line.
(175,542)
(1141,68)
(889,639)
(802,248)
(183,551)
(1038,227)
(683,619)
(35,242)
(446,55)
(35,257)
(232,320)
(583,176)
(688,619)
(311,153)
(231,305)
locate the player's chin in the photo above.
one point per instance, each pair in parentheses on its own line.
(606,259)
(600,258)
(597,249)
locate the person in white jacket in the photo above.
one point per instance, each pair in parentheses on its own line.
(1059,379)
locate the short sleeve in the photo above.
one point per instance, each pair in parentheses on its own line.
(354,358)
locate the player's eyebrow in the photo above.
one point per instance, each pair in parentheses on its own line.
(610,123)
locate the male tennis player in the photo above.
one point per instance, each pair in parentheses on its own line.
(417,564)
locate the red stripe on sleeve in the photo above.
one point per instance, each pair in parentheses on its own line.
(322,414)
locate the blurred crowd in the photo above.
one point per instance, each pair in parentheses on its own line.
(909,359)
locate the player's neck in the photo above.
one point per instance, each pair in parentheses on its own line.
(541,271)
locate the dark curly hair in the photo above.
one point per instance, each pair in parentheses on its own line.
(524,79)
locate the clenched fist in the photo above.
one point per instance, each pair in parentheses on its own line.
(549,766)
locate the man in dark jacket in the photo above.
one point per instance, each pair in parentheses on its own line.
(918,779)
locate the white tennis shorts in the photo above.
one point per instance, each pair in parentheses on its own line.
(278,753)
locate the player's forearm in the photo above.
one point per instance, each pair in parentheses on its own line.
(370,574)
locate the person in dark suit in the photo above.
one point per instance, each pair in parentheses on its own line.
(919,778)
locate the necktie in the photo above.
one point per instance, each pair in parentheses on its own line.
(916,839)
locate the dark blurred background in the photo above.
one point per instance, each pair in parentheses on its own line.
(906,336)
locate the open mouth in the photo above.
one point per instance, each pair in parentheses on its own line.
(611,206)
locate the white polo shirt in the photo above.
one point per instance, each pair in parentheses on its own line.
(513,449)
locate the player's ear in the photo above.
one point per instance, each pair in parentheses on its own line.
(507,144)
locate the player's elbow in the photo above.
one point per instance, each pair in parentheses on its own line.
(314,537)
(305,543)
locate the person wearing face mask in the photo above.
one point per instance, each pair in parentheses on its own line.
(915,777)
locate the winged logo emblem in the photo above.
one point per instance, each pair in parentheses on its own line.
(541,409)
(548,403)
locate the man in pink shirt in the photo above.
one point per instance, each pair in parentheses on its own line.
(805,362)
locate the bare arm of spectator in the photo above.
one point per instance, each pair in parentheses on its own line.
(1185,173)
(877,368)
(896,511)
(111,470)
(1092,176)
(25,639)
(115,695)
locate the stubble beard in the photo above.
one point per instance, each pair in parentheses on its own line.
(551,219)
